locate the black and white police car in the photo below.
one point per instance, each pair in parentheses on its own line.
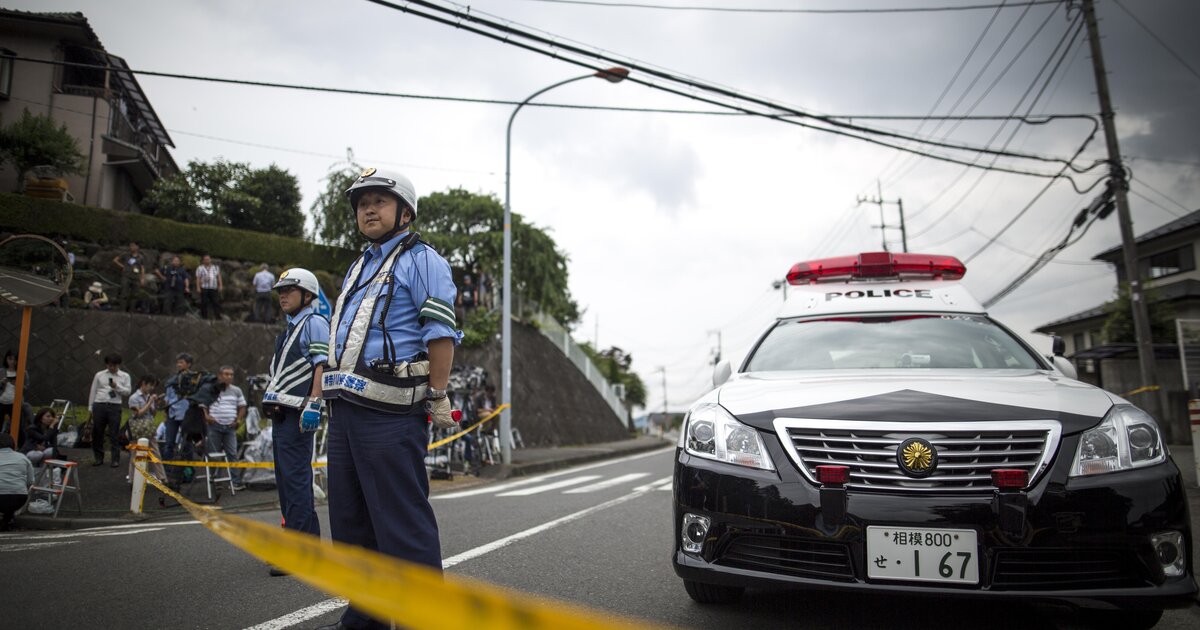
(886,435)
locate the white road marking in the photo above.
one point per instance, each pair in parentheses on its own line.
(302,615)
(607,483)
(524,492)
(84,533)
(321,608)
(525,482)
(28,546)
(664,483)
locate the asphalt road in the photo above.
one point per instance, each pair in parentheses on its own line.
(596,535)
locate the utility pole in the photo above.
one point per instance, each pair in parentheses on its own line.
(666,414)
(716,355)
(781,284)
(1120,186)
(883,226)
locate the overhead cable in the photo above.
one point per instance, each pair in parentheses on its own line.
(471,20)
(1160,40)
(842,11)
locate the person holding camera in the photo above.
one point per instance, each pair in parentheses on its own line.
(143,405)
(179,386)
(386,380)
(109,386)
(293,398)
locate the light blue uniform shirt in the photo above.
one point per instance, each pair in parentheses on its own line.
(314,337)
(420,273)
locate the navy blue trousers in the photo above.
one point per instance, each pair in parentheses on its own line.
(378,489)
(293,473)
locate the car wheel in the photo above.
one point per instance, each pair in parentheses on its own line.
(703,593)
(1124,619)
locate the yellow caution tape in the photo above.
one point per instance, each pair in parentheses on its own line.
(1142,390)
(203,464)
(384,587)
(467,430)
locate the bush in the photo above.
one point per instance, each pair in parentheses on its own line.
(44,217)
(480,327)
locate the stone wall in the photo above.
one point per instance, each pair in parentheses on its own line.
(553,403)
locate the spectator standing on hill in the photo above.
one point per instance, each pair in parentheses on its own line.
(208,278)
(133,276)
(180,385)
(293,398)
(264,281)
(95,297)
(16,475)
(109,386)
(468,296)
(176,286)
(386,380)
(224,415)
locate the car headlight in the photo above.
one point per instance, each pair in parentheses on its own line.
(1127,438)
(712,433)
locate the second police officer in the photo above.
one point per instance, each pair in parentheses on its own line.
(293,398)
(394,334)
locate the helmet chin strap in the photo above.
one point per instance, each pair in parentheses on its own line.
(398,228)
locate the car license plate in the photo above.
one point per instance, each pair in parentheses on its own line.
(923,555)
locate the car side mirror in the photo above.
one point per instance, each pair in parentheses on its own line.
(1062,364)
(1058,345)
(721,373)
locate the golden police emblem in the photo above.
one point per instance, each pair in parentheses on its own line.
(916,457)
(369,171)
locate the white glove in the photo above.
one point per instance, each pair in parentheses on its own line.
(440,413)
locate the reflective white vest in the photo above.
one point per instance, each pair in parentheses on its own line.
(288,382)
(347,377)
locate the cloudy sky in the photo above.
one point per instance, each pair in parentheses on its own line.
(677,225)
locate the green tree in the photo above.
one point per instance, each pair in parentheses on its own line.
(616,366)
(36,141)
(1118,326)
(333,221)
(278,210)
(467,228)
(230,194)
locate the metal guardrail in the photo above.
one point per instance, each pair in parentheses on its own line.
(552,330)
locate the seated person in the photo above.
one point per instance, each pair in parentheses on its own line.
(95,298)
(16,475)
(41,437)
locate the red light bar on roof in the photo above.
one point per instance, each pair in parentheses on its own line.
(877,265)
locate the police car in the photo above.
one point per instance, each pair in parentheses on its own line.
(886,435)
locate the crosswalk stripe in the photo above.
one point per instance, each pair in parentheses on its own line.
(489,489)
(607,483)
(524,492)
(660,484)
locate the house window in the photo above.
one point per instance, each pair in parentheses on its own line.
(6,72)
(1170,262)
(1077,341)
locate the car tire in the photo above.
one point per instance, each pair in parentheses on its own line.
(703,593)
(1124,619)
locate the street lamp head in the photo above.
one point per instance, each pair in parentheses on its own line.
(615,74)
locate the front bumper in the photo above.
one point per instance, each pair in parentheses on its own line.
(1083,541)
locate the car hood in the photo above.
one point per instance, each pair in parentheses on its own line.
(915,396)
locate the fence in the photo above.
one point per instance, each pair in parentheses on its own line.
(561,338)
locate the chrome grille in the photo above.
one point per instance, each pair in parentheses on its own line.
(967,451)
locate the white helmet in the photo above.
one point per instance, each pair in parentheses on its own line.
(392,182)
(302,278)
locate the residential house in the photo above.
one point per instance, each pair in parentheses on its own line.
(1167,261)
(105,110)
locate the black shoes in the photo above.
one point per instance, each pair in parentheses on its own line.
(115,464)
(276,572)
(98,462)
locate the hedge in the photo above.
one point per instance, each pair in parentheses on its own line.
(45,217)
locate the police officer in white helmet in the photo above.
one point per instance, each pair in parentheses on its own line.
(394,333)
(293,398)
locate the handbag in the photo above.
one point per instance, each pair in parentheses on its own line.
(85,435)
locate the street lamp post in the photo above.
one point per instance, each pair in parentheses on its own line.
(613,75)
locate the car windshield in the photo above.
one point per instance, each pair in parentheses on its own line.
(890,341)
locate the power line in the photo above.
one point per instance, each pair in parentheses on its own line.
(858,11)
(1142,182)
(1169,211)
(1082,263)
(550,45)
(1158,39)
(1078,26)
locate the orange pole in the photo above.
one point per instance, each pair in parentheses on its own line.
(22,352)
